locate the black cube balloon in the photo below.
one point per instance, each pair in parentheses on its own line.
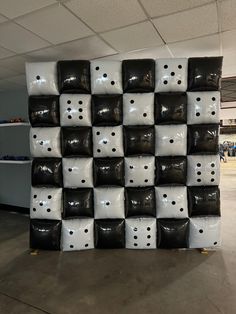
(170,108)
(139,140)
(204,201)
(47,172)
(203,139)
(172,233)
(44,111)
(171,170)
(108,171)
(76,141)
(78,203)
(140,202)
(204,74)
(107,110)
(138,75)
(45,234)
(74,76)
(109,233)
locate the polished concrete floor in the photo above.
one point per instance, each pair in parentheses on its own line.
(120,281)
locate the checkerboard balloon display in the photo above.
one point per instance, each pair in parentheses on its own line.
(125,153)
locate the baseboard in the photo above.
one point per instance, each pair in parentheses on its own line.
(11,208)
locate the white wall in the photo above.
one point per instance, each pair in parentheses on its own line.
(14,179)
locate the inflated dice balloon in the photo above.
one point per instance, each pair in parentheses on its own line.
(106,77)
(138,75)
(204,201)
(76,141)
(45,142)
(139,140)
(109,233)
(109,203)
(47,172)
(108,141)
(45,234)
(204,232)
(204,74)
(203,139)
(78,203)
(41,78)
(203,170)
(170,108)
(171,170)
(77,234)
(78,172)
(75,110)
(171,202)
(44,111)
(107,110)
(138,109)
(203,107)
(171,140)
(140,233)
(74,76)
(171,75)
(139,171)
(173,233)
(108,171)
(46,203)
(140,201)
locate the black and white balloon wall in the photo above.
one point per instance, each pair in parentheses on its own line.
(125,153)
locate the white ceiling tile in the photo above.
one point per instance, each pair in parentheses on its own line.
(4,53)
(188,24)
(16,63)
(105,15)
(143,35)
(55,24)
(18,39)
(153,53)
(228,14)
(164,7)
(47,54)
(228,40)
(14,8)
(229,53)
(2,19)
(229,64)
(199,47)
(87,48)
(4,73)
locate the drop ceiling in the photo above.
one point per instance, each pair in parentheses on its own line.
(45,30)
